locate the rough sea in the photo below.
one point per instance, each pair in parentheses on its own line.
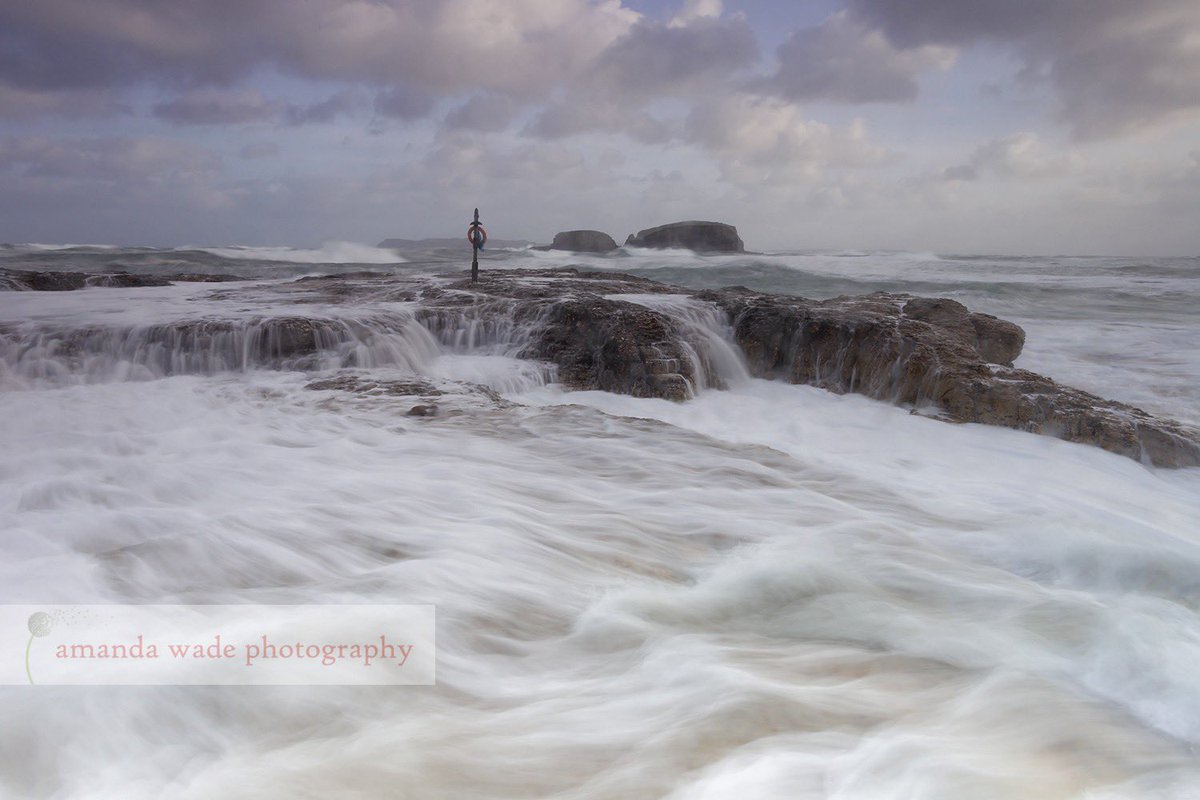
(768,591)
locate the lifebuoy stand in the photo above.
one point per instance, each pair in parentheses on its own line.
(476,235)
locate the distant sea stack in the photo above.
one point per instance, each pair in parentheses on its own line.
(703,237)
(583,241)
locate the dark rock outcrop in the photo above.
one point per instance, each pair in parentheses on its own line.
(583,241)
(928,353)
(995,340)
(33,281)
(937,359)
(360,385)
(703,237)
(446,398)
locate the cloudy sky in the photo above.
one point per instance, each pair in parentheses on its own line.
(999,126)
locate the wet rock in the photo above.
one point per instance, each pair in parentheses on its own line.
(453,398)
(936,358)
(583,241)
(29,281)
(422,411)
(931,354)
(934,355)
(995,340)
(702,237)
(613,346)
(210,346)
(563,317)
(360,385)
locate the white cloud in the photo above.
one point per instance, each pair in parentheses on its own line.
(1022,155)
(763,141)
(696,9)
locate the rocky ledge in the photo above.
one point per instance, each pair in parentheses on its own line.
(933,355)
(630,335)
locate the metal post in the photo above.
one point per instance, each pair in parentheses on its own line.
(475,247)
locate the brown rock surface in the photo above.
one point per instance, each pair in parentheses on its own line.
(620,333)
(872,345)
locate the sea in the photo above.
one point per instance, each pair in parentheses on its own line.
(766,591)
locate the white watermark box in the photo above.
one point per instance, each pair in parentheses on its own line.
(161,645)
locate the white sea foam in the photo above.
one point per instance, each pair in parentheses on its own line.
(767,591)
(772,590)
(327,253)
(36,246)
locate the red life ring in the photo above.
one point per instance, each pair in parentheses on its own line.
(471,234)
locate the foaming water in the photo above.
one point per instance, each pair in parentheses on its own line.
(155,332)
(328,253)
(766,591)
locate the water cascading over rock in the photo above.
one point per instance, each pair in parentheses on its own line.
(620,333)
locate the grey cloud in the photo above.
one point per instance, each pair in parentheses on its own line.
(234,107)
(403,103)
(1131,83)
(259,150)
(694,57)
(659,59)
(213,107)
(111,159)
(77,44)
(484,112)
(18,103)
(112,189)
(844,61)
(562,119)
(913,23)
(327,110)
(1116,65)
(410,51)
(962,172)
(73,44)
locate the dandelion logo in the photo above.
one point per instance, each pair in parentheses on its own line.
(40,624)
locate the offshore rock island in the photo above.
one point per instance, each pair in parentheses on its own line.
(625,334)
(694,235)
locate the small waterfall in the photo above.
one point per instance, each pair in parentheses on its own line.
(492,328)
(706,338)
(207,347)
(485,343)
(498,343)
